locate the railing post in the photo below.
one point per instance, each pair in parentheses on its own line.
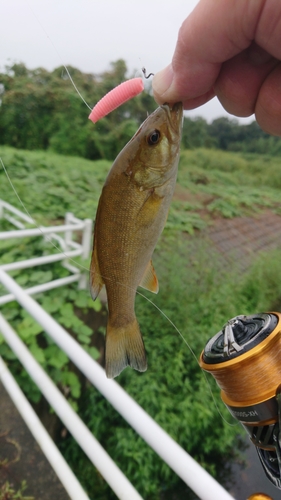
(87,238)
(68,234)
(86,249)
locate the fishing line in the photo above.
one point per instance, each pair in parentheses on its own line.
(126,286)
(61,60)
(83,267)
(193,354)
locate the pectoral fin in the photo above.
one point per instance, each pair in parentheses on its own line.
(149,280)
(96,281)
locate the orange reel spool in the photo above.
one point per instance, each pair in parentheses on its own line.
(245,360)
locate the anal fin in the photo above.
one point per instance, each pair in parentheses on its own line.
(149,280)
(96,281)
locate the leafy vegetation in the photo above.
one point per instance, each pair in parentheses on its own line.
(68,305)
(209,184)
(40,111)
(228,185)
(7,492)
(228,135)
(174,391)
(68,184)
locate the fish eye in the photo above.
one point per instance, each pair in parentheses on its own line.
(153,138)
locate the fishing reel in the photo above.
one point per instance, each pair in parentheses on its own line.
(245,360)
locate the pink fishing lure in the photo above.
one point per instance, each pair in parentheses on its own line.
(122,93)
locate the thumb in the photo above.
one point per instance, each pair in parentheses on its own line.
(214,32)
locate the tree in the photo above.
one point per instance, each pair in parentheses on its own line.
(41,110)
(195,133)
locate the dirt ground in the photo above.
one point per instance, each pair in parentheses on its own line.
(22,459)
(240,239)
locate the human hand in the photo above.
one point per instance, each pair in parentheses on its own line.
(231,49)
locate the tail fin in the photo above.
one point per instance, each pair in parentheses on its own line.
(124,346)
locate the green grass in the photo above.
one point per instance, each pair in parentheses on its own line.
(231,184)
(50,185)
(211,183)
(195,292)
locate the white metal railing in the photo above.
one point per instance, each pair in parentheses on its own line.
(5,213)
(53,455)
(184,465)
(62,238)
(177,458)
(98,456)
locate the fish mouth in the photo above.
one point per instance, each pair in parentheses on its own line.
(174,114)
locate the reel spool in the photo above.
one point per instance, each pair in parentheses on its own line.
(245,360)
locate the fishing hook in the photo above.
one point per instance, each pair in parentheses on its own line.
(144,73)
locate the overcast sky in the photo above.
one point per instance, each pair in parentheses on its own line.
(89,34)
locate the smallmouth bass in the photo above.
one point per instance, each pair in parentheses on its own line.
(131,215)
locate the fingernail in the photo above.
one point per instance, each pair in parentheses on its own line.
(162,81)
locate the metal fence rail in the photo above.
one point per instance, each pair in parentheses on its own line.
(62,239)
(185,466)
(51,452)
(98,456)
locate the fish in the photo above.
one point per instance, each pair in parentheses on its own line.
(131,214)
